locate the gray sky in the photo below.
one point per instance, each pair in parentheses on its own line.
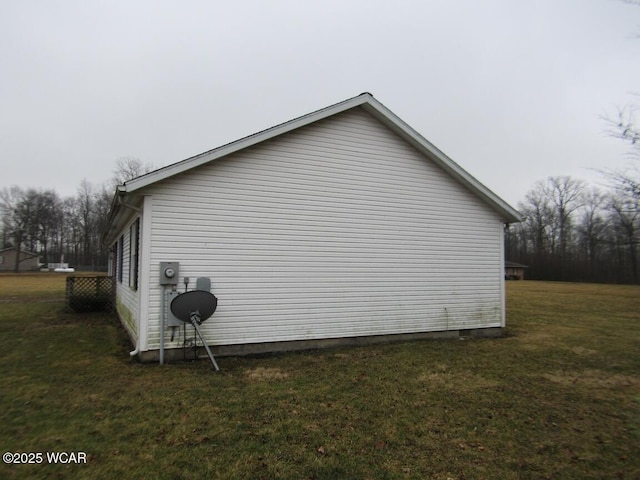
(512,91)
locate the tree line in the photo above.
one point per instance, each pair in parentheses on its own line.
(63,229)
(57,229)
(581,233)
(577,232)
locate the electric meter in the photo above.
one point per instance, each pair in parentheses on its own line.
(169,273)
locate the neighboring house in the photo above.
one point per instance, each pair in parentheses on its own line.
(343,225)
(28,261)
(513,270)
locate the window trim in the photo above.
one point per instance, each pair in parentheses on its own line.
(134,253)
(120,262)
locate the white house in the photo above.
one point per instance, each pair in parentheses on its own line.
(343,225)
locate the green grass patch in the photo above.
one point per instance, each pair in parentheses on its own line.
(558,397)
(37,285)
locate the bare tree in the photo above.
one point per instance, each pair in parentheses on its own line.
(14,218)
(9,199)
(625,207)
(624,125)
(102,206)
(569,232)
(592,228)
(86,205)
(19,216)
(71,236)
(46,219)
(565,194)
(537,217)
(127,168)
(627,215)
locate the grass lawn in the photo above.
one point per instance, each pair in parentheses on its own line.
(558,397)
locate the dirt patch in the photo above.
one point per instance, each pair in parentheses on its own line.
(459,381)
(259,374)
(583,351)
(341,355)
(593,379)
(534,339)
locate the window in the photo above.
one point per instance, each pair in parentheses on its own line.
(113,255)
(134,248)
(120,257)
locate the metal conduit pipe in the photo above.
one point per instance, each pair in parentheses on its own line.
(162,319)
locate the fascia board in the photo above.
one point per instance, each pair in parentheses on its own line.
(120,215)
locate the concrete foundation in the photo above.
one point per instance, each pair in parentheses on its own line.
(178,354)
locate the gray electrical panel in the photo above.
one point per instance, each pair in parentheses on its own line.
(169,272)
(172,320)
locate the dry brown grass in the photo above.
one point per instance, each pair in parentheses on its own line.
(261,374)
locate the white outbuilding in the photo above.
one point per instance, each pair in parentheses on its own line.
(341,226)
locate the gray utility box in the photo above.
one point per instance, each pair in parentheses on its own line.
(203,283)
(172,320)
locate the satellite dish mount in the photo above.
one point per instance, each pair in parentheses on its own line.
(195,307)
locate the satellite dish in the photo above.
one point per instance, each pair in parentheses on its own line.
(195,307)
(199,302)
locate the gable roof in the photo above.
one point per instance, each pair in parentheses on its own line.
(26,252)
(509,264)
(365,101)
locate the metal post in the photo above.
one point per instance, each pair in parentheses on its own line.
(162,318)
(195,319)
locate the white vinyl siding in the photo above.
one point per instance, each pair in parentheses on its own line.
(337,229)
(127,299)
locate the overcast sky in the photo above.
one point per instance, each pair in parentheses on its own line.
(512,91)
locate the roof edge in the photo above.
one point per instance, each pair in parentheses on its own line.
(511,215)
(245,142)
(373,106)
